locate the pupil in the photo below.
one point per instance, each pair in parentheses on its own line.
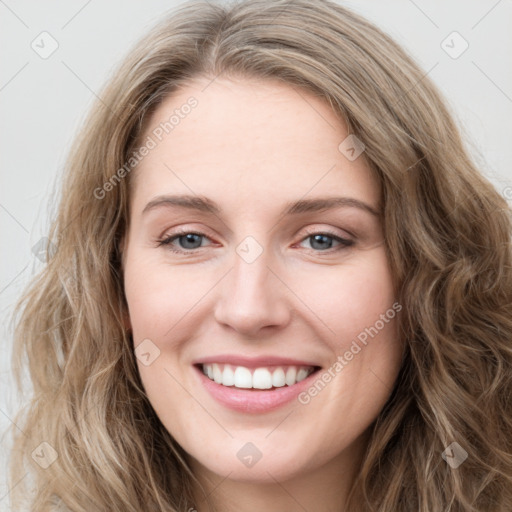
(190,238)
(319,238)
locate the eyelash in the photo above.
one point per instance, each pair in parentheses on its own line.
(166,241)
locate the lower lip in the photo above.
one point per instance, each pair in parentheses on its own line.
(251,400)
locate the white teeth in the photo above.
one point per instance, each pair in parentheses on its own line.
(278,379)
(291,373)
(243,377)
(260,378)
(301,374)
(228,376)
(217,374)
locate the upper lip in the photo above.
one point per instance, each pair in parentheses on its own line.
(253,362)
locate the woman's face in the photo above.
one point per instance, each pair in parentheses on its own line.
(265,288)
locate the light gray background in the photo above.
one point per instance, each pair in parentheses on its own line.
(43,101)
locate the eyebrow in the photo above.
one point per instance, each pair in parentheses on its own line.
(204,204)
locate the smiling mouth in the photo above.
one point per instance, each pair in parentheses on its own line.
(266,378)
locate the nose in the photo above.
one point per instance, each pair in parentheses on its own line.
(253,297)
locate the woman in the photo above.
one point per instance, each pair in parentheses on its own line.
(260,369)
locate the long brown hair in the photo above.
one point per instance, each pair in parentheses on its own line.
(448,238)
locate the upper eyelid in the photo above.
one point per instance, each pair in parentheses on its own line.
(329,231)
(309,232)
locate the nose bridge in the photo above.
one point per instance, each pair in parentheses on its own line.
(251,296)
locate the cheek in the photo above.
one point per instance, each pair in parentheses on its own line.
(160,296)
(348,298)
(357,308)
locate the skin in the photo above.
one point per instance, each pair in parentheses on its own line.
(252,146)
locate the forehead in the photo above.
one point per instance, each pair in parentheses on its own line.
(248,141)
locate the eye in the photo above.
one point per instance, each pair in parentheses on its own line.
(190,241)
(188,238)
(321,241)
